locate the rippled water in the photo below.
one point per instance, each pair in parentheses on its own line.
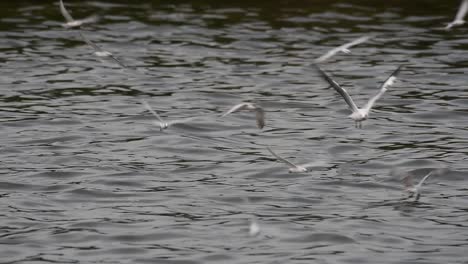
(88,178)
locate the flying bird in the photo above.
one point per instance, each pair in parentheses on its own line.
(359,114)
(293,167)
(459,18)
(72,23)
(259,113)
(343,48)
(98,51)
(414,189)
(161,123)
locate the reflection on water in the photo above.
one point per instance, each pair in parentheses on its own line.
(87,177)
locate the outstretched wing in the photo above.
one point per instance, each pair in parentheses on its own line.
(181,121)
(65,13)
(90,43)
(462,11)
(90,19)
(235,108)
(343,48)
(148,107)
(383,88)
(117,61)
(408,181)
(260,117)
(339,89)
(290,164)
(424,179)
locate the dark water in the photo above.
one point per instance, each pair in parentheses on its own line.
(87,178)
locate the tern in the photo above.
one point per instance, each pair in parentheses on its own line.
(98,51)
(72,23)
(259,113)
(343,48)
(459,18)
(293,167)
(360,114)
(161,123)
(414,189)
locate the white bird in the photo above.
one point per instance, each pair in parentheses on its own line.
(293,167)
(98,51)
(414,189)
(161,123)
(343,48)
(72,23)
(360,114)
(459,18)
(259,113)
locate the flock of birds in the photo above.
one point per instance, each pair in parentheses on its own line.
(357,114)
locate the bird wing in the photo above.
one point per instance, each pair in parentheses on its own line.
(89,42)
(339,89)
(90,19)
(354,42)
(314,164)
(462,11)
(65,13)
(290,164)
(117,61)
(260,117)
(181,121)
(408,181)
(235,108)
(383,88)
(148,107)
(343,47)
(424,179)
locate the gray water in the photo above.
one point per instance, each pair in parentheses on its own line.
(86,176)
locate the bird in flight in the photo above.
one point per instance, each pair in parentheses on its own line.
(293,167)
(98,51)
(161,123)
(414,189)
(72,23)
(359,114)
(459,18)
(343,48)
(259,113)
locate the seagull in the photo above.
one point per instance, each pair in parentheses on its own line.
(343,48)
(100,52)
(161,123)
(293,167)
(459,18)
(360,114)
(72,23)
(414,189)
(259,113)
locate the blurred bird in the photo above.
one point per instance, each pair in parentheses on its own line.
(98,51)
(72,23)
(293,167)
(259,113)
(359,114)
(161,123)
(414,189)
